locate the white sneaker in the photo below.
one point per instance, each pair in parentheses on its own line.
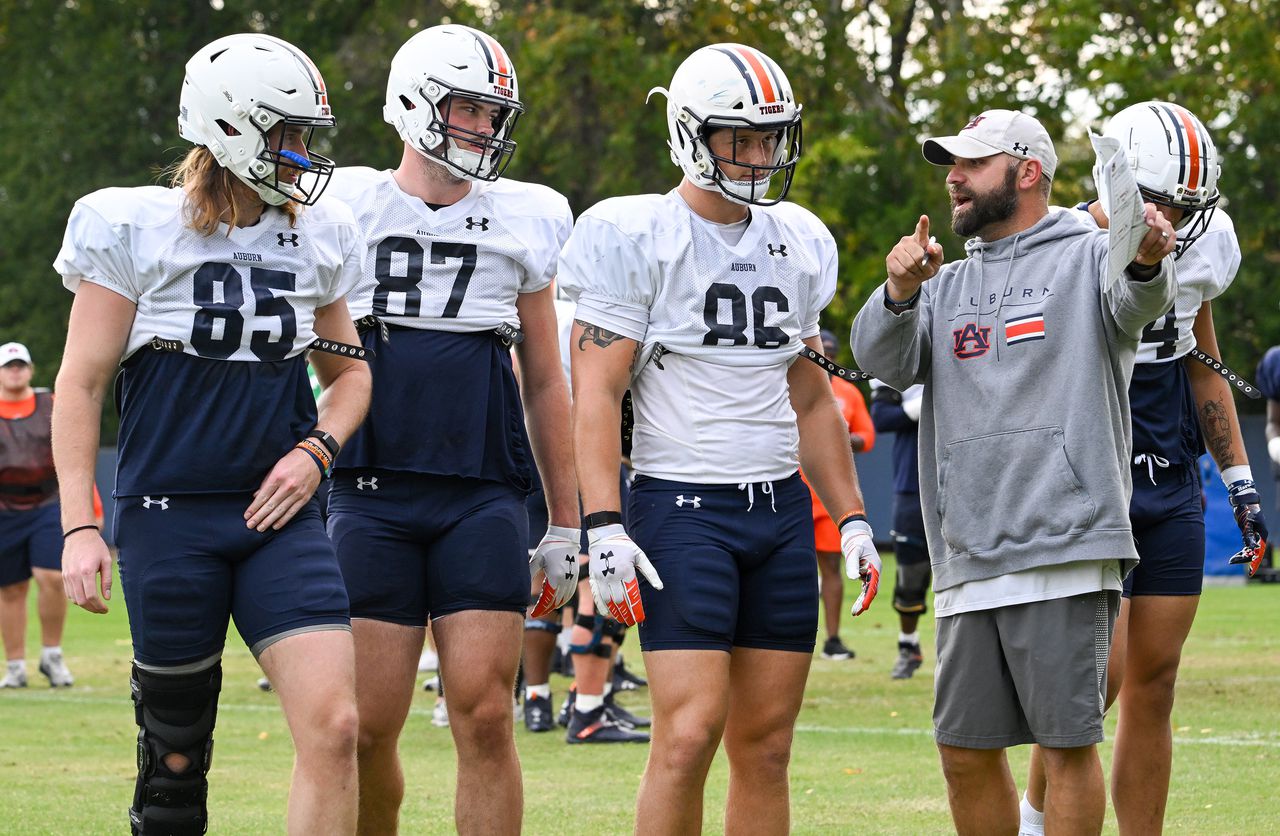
(55,670)
(14,678)
(432,683)
(1031,820)
(428,661)
(264,683)
(440,715)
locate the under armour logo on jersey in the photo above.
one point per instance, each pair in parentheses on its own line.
(483,223)
(781,250)
(696,501)
(163,502)
(1019,148)
(371,483)
(291,238)
(607,570)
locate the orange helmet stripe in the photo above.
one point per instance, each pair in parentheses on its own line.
(758,70)
(501,64)
(1193,146)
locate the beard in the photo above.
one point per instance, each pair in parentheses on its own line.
(981,211)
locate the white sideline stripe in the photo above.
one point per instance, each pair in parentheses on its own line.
(123,700)
(1269,740)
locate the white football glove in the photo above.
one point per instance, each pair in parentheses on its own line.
(557,559)
(861,562)
(614,560)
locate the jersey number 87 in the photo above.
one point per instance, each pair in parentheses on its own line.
(409,283)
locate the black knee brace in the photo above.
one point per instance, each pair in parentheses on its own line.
(911,586)
(175,715)
(614,630)
(599,629)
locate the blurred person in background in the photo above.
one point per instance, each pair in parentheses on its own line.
(30,536)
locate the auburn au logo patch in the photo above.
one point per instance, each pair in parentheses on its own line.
(971,341)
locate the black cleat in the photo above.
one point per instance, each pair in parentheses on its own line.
(537,714)
(625,680)
(566,708)
(596,727)
(622,717)
(833,648)
(909,660)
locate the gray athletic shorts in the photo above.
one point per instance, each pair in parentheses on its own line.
(1031,673)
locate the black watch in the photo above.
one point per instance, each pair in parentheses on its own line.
(599,518)
(330,443)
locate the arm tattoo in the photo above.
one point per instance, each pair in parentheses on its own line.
(595,334)
(1215,423)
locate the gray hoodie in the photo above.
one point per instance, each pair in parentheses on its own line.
(1024,431)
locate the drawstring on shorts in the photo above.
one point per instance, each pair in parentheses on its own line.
(1152,461)
(766,488)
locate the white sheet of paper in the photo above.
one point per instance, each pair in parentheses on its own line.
(1121,200)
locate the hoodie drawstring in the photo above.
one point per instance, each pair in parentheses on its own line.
(1008,273)
(976,246)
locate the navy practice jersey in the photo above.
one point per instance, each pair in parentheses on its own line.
(445,399)
(888,416)
(1268,374)
(216,415)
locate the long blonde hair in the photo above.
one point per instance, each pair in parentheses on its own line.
(212,189)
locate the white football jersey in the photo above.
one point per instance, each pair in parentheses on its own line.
(248,293)
(458,268)
(564,329)
(1203,273)
(716,409)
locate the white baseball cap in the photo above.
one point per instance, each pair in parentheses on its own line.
(996,132)
(12,352)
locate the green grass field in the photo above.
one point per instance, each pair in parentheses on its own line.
(864,760)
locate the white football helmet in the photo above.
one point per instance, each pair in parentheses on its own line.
(437,67)
(240,87)
(736,87)
(1174,161)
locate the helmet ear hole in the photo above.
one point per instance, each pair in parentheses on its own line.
(226,127)
(408,105)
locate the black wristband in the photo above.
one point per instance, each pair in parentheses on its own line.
(889,301)
(331,444)
(1142,272)
(848,518)
(599,518)
(69,532)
